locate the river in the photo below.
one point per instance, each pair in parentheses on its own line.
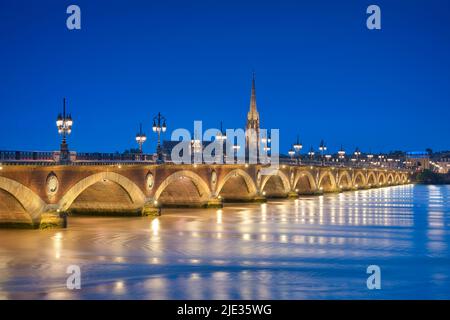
(318,247)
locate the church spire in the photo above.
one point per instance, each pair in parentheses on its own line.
(253,110)
(253,115)
(252,127)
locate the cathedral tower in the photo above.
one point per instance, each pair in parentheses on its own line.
(252,127)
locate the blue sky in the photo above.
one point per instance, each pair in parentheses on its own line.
(319,71)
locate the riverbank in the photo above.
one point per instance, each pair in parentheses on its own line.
(430,177)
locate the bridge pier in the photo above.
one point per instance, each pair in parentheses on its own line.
(310,193)
(51,219)
(259,199)
(254,199)
(292,195)
(215,202)
(150,208)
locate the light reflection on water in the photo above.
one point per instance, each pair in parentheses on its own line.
(314,248)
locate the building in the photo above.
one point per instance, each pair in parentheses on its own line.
(418,160)
(442,165)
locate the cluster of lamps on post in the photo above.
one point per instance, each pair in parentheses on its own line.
(64,123)
(341,157)
(295,154)
(159,126)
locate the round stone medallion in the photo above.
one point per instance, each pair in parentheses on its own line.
(150,181)
(213,179)
(52,184)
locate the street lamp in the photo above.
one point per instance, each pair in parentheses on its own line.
(221,137)
(140,138)
(266,141)
(159,125)
(389,160)
(380,159)
(341,154)
(311,153)
(357,153)
(64,124)
(322,148)
(297,148)
(291,153)
(236,149)
(196,149)
(369,158)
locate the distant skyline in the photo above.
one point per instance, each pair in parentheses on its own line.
(320,72)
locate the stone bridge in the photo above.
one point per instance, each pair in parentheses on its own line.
(36,195)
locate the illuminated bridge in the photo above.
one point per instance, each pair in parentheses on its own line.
(35,189)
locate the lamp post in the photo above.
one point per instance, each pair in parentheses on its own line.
(221,137)
(196,150)
(140,138)
(64,124)
(291,153)
(369,158)
(236,149)
(297,148)
(265,140)
(322,148)
(311,153)
(357,153)
(341,154)
(380,160)
(159,125)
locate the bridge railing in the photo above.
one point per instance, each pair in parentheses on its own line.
(346,164)
(93,158)
(52,157)
(6,156)
(115,157)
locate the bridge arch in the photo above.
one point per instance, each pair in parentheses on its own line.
(404,177)
(381,178)
(304,182)
(249,183)
(202,188)
(372,179)
(345,180)
(359,180)
(397,178)
(327,181)
(136,195)
(30,201)
(276,189)
(390,178)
